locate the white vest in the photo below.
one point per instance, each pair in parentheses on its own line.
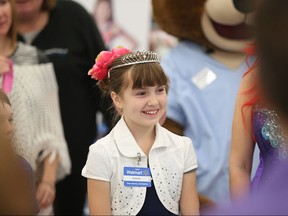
(169,158)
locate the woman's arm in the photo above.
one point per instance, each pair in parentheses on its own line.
(189,202)
(46,189)
(242,148)
(99,197)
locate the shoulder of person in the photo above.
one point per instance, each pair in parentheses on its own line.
(249,79)
(174,137)
(74,15)
(105,142)
(25,54)
(42,57)
(27,50)
(72,8)
(103,148)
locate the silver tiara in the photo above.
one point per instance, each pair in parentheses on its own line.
(138,58)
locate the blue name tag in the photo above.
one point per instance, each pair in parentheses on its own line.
(137,177)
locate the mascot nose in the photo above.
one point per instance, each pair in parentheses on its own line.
(244,6)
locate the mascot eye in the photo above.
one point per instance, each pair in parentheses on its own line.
(245,6)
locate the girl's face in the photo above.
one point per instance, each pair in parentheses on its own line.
(6,121)
(5,17)
(28,8)
(142,107)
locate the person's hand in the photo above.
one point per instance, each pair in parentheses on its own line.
(4,65)
(45,194)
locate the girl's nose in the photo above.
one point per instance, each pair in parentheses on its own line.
(153,100)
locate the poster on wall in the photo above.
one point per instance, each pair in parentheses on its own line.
(129,23)
(121,23)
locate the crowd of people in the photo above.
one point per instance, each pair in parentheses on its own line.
(54,101)
(56,75)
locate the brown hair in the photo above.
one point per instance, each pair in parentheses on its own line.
(144,74)
(4,98)
(48,5)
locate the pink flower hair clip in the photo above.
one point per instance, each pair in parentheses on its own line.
(99,71)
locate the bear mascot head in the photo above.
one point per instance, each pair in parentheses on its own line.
(205,70)
(220,24)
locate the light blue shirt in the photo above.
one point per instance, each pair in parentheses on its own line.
(205,112)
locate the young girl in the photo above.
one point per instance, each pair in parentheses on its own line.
(16,182)
(139,167)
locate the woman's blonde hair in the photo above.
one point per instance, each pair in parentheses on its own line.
(12,33)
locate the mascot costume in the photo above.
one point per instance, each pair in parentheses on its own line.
(205,70)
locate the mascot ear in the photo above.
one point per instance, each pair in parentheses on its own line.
(182,19)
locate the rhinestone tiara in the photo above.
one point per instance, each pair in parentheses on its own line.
(138,58)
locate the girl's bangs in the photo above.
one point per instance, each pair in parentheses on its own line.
(148,75)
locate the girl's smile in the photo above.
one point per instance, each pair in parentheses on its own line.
(142,107)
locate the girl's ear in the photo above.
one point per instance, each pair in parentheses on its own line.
(116,100)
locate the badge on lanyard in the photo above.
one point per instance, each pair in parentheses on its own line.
(204,78)
(137,177)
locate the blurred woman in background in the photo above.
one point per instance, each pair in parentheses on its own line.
(262,109)
(32,89)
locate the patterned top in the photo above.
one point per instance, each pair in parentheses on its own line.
(34,99)
(271,139)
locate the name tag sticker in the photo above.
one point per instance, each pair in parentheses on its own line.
(137,177)
(203,78)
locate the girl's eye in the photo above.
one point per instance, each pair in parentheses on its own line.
(161,89)
(141,93)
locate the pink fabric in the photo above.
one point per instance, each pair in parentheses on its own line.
(7,81)
(99,70)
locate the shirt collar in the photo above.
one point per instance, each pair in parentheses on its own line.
(128,146)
